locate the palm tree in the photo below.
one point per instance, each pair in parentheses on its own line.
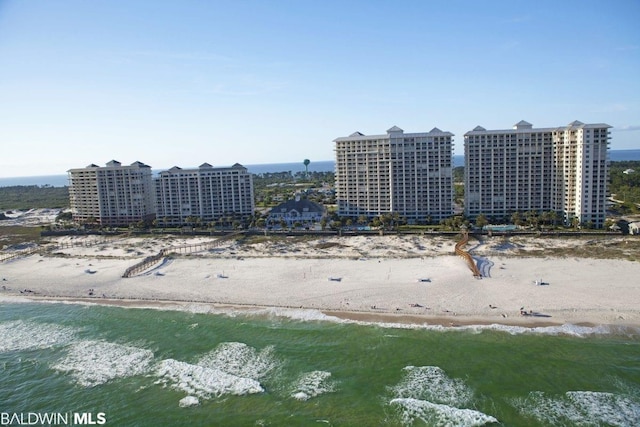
(516,218)
(191,220)
(575,222)
(376,223)
(532,218)
(481,221)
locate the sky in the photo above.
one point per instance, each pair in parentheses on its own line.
(185,82)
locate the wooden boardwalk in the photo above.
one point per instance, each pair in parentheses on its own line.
(150,261)
(466,256)
(23,253)
(6,256)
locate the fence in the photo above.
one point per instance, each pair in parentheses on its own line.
(17,254)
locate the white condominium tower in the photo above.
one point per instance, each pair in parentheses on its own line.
(559,169)
(205,193)
(112,195)
(405,173)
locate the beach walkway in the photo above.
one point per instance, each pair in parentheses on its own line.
(146,263)
(466,256)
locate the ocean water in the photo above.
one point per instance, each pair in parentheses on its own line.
(63,180)
(316,166)
(148,367)
(624,155)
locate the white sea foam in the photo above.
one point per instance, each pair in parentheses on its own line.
(427,393)
(204,382)
(241,360)
(185,402)
(581,408)
(302,314)
(565,329)
(312,384)
(27,335)
(317,315)
(92,363)
(249,310)
(435,414)
(432,383)
(14,299)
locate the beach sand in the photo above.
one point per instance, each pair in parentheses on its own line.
(402,279)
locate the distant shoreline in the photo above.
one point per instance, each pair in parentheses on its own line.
(315,166)
(61,180)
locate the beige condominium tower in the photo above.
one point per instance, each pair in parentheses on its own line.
(405,173)
(204,194)
(113,194)
(563,170)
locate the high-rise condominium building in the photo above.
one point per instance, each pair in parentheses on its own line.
(561,169)
(112,195)
(205,193)
(405,173)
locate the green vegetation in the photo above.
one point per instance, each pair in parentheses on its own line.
(32,196)
(584,247)
(625,185)
(274,188)
(458,174)
(16,235)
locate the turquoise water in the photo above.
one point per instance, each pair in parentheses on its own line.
(144,367)
(500,227)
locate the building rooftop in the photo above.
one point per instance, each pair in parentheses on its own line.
(205,167)
(526,127)
(358,136)
(299,205)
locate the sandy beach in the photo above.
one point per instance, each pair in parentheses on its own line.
(407,279)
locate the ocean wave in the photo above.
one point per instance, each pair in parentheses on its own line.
(432,383)
(188,401)
(581,408)
(301,314)
(427,393)
(93,363)
(203,382)
(241,360)
(312,315)
(435,414)
(21,335)
(566,329)
(14,299)
(312,384)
